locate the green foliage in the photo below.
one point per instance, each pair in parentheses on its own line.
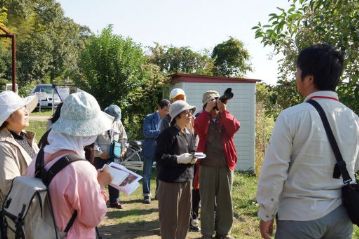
(172,59)
(307,22)
(231,58)
(3,16)
(115,70)
(48,43)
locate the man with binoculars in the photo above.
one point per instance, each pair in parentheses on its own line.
(216,127)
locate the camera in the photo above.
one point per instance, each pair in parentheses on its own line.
(227,95)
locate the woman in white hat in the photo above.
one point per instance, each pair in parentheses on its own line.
(79,186)
(175,161)
(17,147)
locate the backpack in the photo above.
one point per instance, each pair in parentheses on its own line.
(27,210)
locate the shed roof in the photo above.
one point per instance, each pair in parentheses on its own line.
(182,77)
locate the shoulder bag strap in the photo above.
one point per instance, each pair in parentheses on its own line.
(340,166)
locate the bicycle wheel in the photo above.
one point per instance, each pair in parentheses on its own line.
(132,159)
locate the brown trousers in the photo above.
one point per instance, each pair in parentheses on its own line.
(174,203)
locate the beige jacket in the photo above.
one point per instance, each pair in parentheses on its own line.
(14,160)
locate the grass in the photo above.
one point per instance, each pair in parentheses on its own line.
(38,127)
(140,220)
(43,112)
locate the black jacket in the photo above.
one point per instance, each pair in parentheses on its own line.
(172,142)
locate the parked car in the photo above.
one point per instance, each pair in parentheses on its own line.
(8,86)
(47,95)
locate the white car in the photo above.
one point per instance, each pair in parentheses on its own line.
(47,95)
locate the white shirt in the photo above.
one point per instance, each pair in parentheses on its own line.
(296,180)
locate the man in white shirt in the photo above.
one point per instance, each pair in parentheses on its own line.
(296,184)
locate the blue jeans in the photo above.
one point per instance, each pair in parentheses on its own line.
(113,193)
(147,171)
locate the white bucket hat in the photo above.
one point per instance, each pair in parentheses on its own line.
(178,107)
(81,116)
(11,102)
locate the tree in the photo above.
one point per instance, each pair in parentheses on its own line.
(48,43)
(307,22)
(172,59)
(230,58)
(115,70)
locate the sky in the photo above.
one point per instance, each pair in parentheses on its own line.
(198,24)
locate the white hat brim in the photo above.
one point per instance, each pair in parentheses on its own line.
(31,103)
(85,128)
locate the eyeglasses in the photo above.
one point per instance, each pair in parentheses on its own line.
(187,112)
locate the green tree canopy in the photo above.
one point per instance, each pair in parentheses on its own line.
(172,59)
(115,70)
(48,43)
(308,22)
(231,58)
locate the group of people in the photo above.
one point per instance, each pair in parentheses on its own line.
(172,136)
(296,184)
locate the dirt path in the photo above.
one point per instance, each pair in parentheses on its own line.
(136,220)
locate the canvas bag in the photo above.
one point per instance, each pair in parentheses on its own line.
(27,211)
(350,191)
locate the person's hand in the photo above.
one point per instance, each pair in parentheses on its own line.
(221,106)
(210,105)
(266,229)
(104,156)
(194,160)
(185,158)
(104,177)
(123,153)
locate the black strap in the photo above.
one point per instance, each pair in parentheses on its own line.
(340,166)
(47,176)
(58,166)
(71,221)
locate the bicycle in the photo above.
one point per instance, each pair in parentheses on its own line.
(133,159)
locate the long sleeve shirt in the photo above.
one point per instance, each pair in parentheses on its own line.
(75,188)
(296,180)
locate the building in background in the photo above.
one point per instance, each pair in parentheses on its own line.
(242,106)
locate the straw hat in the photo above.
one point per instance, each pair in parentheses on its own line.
(81,115)
(11,102)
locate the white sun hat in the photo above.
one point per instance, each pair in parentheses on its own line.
(81,115)
(11,102)
(178,107)
(176,92)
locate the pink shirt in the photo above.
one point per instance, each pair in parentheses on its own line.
(75,188)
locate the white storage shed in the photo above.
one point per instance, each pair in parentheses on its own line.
(242,106)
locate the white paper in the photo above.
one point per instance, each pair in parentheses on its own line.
(199,155)
(123,179)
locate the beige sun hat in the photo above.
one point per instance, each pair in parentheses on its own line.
(178,107)
(81,115)
(11,102)
(209,95)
